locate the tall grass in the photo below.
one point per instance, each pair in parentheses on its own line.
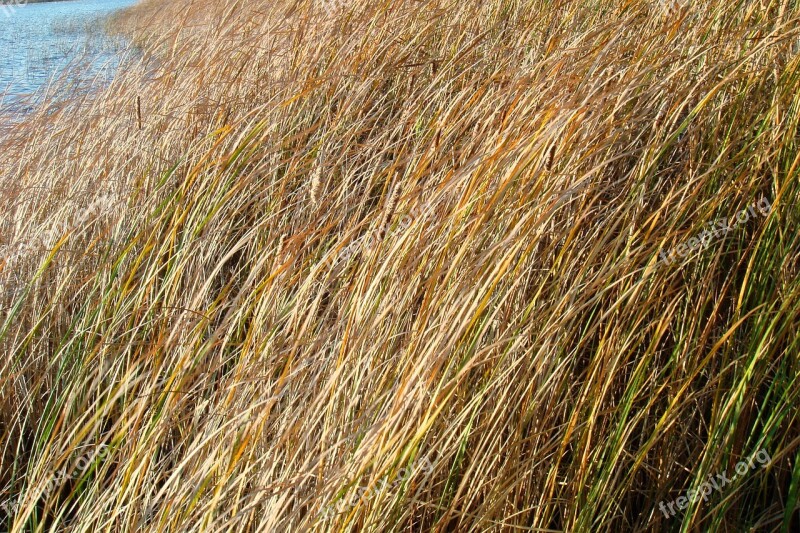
(518,165)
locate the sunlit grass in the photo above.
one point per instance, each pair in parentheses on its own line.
(519,166)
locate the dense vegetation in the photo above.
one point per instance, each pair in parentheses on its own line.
(410,266)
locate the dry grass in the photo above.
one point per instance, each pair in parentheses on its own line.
(516,331)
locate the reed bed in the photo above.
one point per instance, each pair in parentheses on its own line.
(395,266)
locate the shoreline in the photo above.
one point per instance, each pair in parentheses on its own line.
(60,41)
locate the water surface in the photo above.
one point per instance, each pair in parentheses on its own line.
(39,40)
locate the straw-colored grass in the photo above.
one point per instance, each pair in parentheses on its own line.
(513,169)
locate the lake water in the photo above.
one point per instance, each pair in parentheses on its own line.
(39,40)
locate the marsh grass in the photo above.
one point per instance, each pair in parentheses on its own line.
(519,336)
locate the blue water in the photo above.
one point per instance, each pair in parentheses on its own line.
(38,41)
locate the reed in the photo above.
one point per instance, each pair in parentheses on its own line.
(523,162)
